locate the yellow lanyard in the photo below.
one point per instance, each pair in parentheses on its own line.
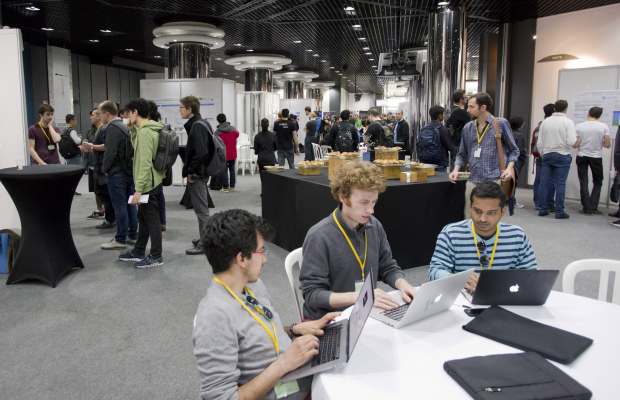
(45,133)
(140,126)
(353,248)
(483,133)
(458,106)
(274,339)
(494,246)
(98,128)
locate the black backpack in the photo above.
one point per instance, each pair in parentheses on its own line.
(167,149)
(67,147)
(216,161)
(127,160)
(387,134)
(429,145)
(344,141)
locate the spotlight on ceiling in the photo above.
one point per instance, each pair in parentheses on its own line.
(218,58)
(106,31)
(33,8)
(94,41)
(309,50)
(130,49)
(349,8)
(331,67)
(238,44)
(357,26)
(250,50)
(362,38)
(315,55)
(296,41)
(157,56)
(443,3)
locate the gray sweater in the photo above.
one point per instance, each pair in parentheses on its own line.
(232,348)
(329,265)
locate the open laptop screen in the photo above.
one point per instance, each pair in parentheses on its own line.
(361,311)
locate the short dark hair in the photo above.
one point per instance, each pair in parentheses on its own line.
(307,108)
(549,109)
(108,106)
(435,112)
(191,102)
(122,111)
(293,117)
(228,233)
(390,113)
(483,99)
(45,108)
(352,120)
(516,123)
(69,118)
(489,190)
(374,111)
(345,115)
(596,112)
(561,105)
(285,113)
(154,115)
(458,95)
(221,118)
(141,106)
(264,124)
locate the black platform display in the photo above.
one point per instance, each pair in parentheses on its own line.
(43,195)
(412,214)
(186,200)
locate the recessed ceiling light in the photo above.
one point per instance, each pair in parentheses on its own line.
(371,59)
(374,66)
(369,53)
(315,55)
(238,44)
(365,48)
(309,50)
(250,50)
(337,71)
(475,56)
(362,38)
(323,60)
(218,58)
(349,8)
(32,8)
(331,67)
(47,29)
(106,31)
(443,3)
(296,41)
(94,41)
(210,70)
(157,56)
(174,40)
(357,26)
(130,49)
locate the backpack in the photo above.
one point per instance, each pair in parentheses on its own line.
(167,149)
(127,161)
(216,162)
(387,134)
(344,141)
(535,151)
(67,147)
(429,145)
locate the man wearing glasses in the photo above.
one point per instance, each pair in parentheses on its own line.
(240,345)
(482,242)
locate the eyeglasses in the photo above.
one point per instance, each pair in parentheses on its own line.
(265,252)
(261,308)
(484,258)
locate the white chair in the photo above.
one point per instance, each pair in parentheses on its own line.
(605,266)
(317,151)
(325,150)
(243,137)
(245,159)
(293,258)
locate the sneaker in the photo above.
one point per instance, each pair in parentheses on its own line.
(597,212)
(224,190)
(562,216)
(196,250)
(106,225)
(232,189)
(196,242)
(517,205)
(149,262)
(96,215)
(542,214)
(113,244)
(131,241)
(131,256)
(616,223)
(584,212)
(77,194)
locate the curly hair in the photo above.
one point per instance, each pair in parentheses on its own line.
(357,175)
(191,102)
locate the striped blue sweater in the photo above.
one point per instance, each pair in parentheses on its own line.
(456,251)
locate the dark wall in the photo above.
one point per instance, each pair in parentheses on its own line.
(28,90)
(40,91)
(488,66)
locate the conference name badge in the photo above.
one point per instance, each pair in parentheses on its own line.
(286,389)
(358,285)
(51,147)
(477,152)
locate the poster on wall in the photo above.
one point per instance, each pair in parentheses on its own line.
(170,114)
(608,100)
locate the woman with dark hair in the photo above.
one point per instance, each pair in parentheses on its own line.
(516,124)
(154,115)
(265,146)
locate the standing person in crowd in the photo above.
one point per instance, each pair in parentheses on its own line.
(458,117)
(77,138)
(265,146)
(343,135)
(548,110)
(358,122)
(334,248)
(144,138)
(556,139)
(617,168)
(117,162)
(479,148)
(592,136)
(434,141)
(401,131)
(89,165)
(365,122)
(124,113)
(286,135)
(308,111)
(516,124)
(389,118)
(196,154)
(293,118)
(279,116)
(311,132)
(229,135)
(161,199)
(357,132)
(377,132)
(42,138)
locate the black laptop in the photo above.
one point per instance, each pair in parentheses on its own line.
(513,287)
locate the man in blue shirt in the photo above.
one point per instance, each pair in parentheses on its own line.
(482,242)
(479,147)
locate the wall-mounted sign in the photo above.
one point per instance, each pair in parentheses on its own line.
(559,57)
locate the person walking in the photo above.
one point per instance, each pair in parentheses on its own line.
(286,135)
(229,135)
(548,110)
(556,139)
(592,136)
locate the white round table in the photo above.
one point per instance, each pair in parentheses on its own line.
(407,363)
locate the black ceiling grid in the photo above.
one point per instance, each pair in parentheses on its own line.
(267,26)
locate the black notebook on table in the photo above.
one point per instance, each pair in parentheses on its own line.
(506,327)
(523,376)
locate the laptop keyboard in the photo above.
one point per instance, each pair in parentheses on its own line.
(396,313)
(329,346)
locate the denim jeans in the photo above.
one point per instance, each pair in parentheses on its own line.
(537,183)
(290,157)
(121,187)
(150,227)
(555,167)
(308,148)
(229,170)
(77,160)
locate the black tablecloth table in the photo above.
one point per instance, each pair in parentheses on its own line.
(186,200)
(43,195)
(412,214)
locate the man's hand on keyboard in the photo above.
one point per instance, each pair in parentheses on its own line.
(383,300)
(472,282)
(299,352)
(407,291)
(315,327)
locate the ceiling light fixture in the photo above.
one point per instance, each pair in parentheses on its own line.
(374,66)
(48,29)
(218,58)
(225,73)
(362,38)
(357,26)
(130,49)
(315,55)
(365,48)
(250,50)
(236,77)
(443,3)
(349,8)
(296,41)
(371,59)
(106,31)
(238,44)
(157,56)
(94,41)
(323,60)
(534,37)
(369,53)
(32,8)
(309,50)
(331,67)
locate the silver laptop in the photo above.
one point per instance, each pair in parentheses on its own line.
(339,338)
(432,298)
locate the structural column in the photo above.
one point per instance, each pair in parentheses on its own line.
(258,69)
(294,82)
(315,90)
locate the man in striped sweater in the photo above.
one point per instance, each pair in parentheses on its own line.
(482,242)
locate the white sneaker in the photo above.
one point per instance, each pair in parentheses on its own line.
(113,244)
(517,205)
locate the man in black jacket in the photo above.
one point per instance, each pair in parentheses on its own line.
(458,117)
(196,155)
(436,114)
(401,131)
(344,124)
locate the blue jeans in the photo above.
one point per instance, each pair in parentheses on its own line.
(308,148)
(121,187)
(77,160)
(555,167)
(537,182)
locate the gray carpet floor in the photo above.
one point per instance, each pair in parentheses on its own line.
(110,331)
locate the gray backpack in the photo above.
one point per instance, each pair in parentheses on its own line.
(167,149)
(216,162)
